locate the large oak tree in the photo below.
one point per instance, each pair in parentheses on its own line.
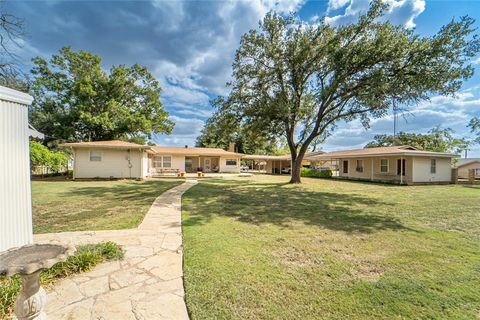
(299,80)
(77,100)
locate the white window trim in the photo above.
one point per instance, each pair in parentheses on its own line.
(171,161)
(161,161)
(388,166)
(90,155)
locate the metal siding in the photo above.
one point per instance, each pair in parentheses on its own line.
(15,192)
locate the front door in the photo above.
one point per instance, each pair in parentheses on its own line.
(207,165)
(345,166)
(401,167)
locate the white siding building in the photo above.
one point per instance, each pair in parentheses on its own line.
(15,190)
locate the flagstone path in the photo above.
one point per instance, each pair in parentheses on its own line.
(147,284)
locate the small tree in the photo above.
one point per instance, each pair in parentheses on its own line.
(474,126)
(298,80)
(437,139)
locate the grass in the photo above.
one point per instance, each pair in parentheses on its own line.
(93,205)
(85,258)
(263,249)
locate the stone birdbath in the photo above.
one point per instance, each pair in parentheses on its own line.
(28,261)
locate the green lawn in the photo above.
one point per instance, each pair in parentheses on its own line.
(93,205)
(263,249)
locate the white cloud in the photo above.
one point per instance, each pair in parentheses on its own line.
(184,133)
(401,12)
(337,4)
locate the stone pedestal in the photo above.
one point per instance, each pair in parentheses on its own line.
(31,301)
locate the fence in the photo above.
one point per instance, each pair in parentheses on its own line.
(41,171)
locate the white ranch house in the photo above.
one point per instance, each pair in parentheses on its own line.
(120,159)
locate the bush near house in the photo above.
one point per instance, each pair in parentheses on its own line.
(42,156)
(85,258)
(312,173)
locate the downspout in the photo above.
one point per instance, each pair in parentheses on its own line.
(129,164)
(74,164)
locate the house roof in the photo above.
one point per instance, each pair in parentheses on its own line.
(34,133)
(464,162)
(264,157)
(109,144)
(193,151)
(383,151)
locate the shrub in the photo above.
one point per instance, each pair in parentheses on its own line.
(85,258)
(42,156)
(307,172)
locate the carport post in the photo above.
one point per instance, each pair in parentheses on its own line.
(401,170)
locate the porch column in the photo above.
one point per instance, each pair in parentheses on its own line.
(401,170)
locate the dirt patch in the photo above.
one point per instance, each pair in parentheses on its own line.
(295,257)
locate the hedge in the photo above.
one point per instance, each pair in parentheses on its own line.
(307,172)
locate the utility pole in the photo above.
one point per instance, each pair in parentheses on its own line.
(394,122)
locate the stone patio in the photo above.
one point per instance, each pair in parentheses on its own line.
(147,284)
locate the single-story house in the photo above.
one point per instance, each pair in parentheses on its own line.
(399,164)
(464,165)
(120,159)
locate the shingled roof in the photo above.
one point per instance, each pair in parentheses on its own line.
(382,151)
(109,144)
(193,151)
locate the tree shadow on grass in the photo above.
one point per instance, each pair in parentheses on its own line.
(282,204)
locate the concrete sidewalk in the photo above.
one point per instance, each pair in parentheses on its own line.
(147,284)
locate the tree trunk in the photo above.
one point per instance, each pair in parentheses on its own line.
(296,166)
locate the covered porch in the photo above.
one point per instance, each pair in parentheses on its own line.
(395,169)
(205,164)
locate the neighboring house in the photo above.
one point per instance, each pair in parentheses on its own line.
(464,165)
(120,159)
(400,164)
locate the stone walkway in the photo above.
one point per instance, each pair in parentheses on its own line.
(147,284)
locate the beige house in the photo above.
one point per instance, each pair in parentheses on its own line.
(464,165)
(399,164)
(120,159)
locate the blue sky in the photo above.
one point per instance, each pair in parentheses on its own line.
(189,47)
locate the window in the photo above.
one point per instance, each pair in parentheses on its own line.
(345,166)
(95,155)
(383,165)
(167,162)
(359,167)
(433,166)
(157,161)
(162,162)
(231,162)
